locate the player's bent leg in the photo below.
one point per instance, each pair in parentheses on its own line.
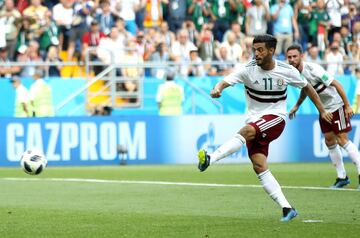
(204,160)
(228,148)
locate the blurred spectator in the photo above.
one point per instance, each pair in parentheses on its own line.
(238,14)
(333,8)
(50,3)
(181,48)
(81,18)
(37,12)
(354,57)
(319,25)
(342,44)
(22,99)
(206,44)
(153,13)
(170,97)
(9,17)
(131,73)
(105,18)
(153,36)
(356,32)
(2,34)
(348,19)
(345,38)
(49,34)
(111,48)
(247,54)
(41,96)
(92,39)
(334,59)
(221,14)
(53,57)
(31,56)
(132,56)
(6,70)
(26,34)
(124,35)
(145,45)
(199,10)
(176,13)
(194,66)
(357,92)
(126,10)
(21,5)
(256,19)
(193,34)
(233,48)
(140,14)
(236,29)
(223,66)
(166,35)
(302,11)
(161,55)
(285,25)
(312,54)
(63,14)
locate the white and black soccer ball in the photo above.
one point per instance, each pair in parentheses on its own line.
(33,162)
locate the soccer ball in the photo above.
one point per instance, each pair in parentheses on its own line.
(33,162)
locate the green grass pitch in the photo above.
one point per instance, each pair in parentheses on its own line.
(100,203)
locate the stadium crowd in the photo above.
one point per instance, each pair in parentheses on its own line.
(185,31)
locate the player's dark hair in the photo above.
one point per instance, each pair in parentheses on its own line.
(269,40)
(295,47)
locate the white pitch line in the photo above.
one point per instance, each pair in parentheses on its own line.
(170,183)
(312,221)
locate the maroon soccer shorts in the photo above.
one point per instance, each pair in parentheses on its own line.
(338,124)
(268,128)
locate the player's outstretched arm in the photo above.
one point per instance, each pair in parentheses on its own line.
(348,110)
(219,87)
(310,91)
(293,111)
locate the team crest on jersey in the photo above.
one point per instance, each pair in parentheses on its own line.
(280,83)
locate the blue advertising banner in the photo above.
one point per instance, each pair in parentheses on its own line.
(152,139)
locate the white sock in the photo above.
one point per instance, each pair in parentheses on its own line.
(229,147)
(272,187)
(353,154)
(337,160)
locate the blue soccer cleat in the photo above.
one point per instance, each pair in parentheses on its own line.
(288,214)
(204,160)
(340,183)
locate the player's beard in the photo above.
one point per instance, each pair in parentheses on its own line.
(259,61)
(263,60)
(296,65)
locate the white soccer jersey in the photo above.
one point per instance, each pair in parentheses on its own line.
(317,76)
(266,90)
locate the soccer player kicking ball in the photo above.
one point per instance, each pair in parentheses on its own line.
(334,99)
(266,82)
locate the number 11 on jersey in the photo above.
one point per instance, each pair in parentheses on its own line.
(268,83)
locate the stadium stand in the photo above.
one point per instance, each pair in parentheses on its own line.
(93,34)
